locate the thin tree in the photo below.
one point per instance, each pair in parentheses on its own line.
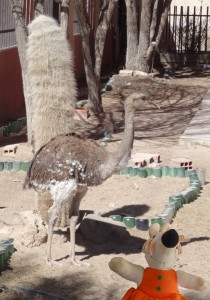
(93,48)
(17,7)
(21,37)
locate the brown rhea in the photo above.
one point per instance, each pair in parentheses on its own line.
(67,165)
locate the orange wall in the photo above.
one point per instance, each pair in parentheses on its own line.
(11,91)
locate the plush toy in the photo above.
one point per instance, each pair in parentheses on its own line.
(159,280)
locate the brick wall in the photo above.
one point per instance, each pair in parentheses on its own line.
(11,91)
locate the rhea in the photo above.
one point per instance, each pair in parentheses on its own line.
(67,165)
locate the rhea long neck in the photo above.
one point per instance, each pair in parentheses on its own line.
(120,157)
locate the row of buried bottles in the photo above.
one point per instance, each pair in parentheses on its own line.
(131,222)
(13,127)
(6,251)
(14,165)
(178,200)
(157,171)
(175,203)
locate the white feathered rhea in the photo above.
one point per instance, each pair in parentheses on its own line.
(51,80)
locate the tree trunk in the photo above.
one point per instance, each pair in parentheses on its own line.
(154,24)
(101,31)
(132,34)
(144,37)
(157,38)
(65,15)
(21,37)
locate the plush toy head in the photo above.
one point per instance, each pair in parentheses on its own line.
(163,246)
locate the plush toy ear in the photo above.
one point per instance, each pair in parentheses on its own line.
(149,246)
(183,239)
(154,229)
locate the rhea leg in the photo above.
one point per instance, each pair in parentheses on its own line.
(74,214)
(61,194)
(53,215)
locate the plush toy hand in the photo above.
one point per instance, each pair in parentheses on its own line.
(190,281)
(126,269)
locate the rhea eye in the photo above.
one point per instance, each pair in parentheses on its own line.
(153,236)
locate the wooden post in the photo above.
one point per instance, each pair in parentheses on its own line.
(187,30)
(193,34)
(181,29)
(207,18)
(200,29)
(174,36)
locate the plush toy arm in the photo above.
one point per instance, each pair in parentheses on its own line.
(190,281)
(126,269)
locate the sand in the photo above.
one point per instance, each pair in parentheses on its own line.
(156,131)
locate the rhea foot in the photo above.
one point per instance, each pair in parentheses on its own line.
(52,262)
(78,263)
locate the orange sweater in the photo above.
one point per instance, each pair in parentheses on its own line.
(156,285)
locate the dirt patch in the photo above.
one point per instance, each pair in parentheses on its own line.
(156,131)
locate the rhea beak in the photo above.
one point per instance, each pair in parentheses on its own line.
(155,104)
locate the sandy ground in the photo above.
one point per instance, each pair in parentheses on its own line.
(157,131)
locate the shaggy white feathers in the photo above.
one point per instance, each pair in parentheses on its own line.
(51,80)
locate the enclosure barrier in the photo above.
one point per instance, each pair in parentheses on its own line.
(176,201)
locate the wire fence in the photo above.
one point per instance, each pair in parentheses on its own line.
(7,26)
(188,31)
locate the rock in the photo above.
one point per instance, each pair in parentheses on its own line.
(34,237)
(99,232)
(35,232)
(140,73)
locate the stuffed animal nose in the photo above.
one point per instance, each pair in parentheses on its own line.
(170,238)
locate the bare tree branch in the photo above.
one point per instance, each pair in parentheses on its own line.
(104,21)
(85,32)
(153,26)
(93,49)
(154,45)
(65,15)
(83,18)
(151,52)
(163,20)
(103,9)
(38,7)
